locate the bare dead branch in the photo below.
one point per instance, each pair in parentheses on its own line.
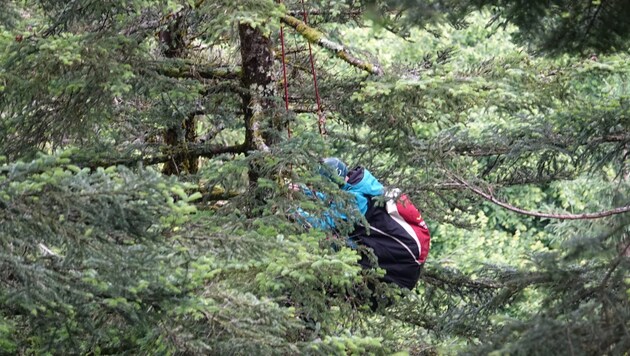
(489,197)
(149,25)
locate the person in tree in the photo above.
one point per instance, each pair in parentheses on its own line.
(395,231)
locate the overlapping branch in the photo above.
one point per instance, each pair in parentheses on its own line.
(451,185)
(490,147)
(149,22)
(476,150)
(187,69)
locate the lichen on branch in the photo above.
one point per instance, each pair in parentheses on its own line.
(320,39)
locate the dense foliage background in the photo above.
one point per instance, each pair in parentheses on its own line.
(147,156)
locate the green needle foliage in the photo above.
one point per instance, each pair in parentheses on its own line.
(148,200)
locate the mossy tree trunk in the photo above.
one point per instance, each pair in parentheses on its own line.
(257,58)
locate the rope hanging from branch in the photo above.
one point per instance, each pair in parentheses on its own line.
(321,119)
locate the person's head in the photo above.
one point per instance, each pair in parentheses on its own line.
(334,169)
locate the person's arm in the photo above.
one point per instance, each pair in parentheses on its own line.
(324,222)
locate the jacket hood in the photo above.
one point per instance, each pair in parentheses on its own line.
(362,184)
(360,180)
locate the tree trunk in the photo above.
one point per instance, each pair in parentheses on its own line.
(257,57)
(174,45)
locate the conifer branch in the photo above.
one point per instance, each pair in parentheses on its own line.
(441,277)
(318,38)
(559,142)
(197,150)
(187,69)
(230,87)
(310,12)
(489,197)
(153,24)
(450,185)
(212,133)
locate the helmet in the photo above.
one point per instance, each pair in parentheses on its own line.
(334,169)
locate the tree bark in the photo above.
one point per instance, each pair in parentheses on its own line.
(257,58)
(174,44)
(257,78)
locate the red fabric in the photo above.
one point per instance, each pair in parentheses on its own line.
(412,216)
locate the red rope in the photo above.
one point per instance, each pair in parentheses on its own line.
(321,120)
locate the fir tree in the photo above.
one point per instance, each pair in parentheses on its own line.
(513,138)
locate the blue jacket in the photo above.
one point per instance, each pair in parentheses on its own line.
(361,183)
(364,186)
(327,220)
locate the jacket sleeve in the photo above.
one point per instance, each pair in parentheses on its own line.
(325,221)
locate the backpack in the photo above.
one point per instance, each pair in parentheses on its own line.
(398,236)
(407,215)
